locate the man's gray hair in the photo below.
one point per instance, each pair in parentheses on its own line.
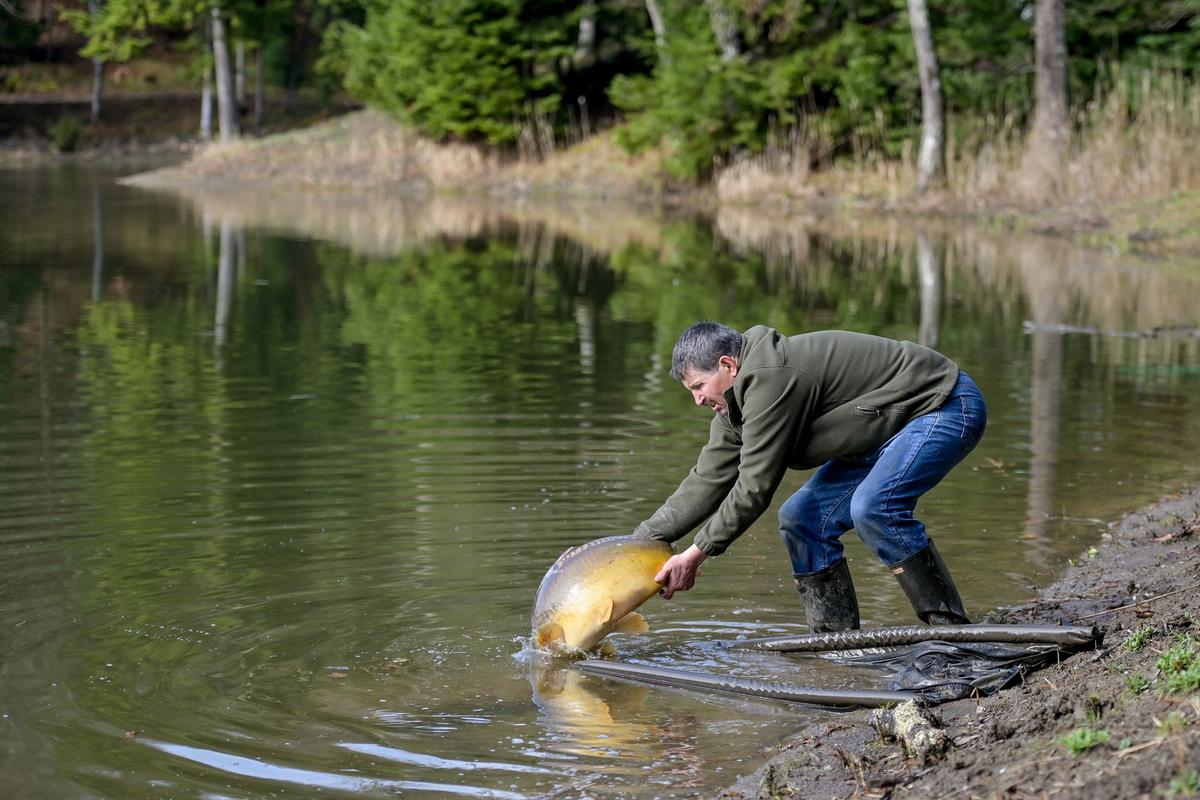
(701,346)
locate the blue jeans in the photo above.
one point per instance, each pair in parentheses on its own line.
(877,495)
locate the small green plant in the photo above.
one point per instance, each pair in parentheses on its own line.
(1186,783)
(1136,684)
(1092,552)
(1139,638)
(1125,743)
(1172,724)
(1186,681)
(1081,740)
(65,133)
(1179,666)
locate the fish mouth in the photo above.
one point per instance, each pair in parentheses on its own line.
(560,651)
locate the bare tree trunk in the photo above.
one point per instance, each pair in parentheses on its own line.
(724,27)
(931,157)
(260,89)
(206,92)
(97,70)
(239,73)
(1050,124)
(226,107)
(585,43)
(657,25)
(97,87)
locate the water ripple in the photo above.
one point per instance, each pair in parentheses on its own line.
(255,768)
(421,759)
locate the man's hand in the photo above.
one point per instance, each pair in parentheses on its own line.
(679,573)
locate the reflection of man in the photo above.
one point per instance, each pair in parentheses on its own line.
(883,421)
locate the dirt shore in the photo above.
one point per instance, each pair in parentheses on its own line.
(367,151)
(1120,722)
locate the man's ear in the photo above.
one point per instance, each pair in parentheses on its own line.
(731,362)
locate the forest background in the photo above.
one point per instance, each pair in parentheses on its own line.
(977,103)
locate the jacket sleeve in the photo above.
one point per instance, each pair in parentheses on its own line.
(702,490)
(776,406)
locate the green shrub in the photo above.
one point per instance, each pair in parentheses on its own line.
(65,133)
(1187,680)
(1136,684)
(1081,740)
(1139,638)
(1180,667)
(466,69)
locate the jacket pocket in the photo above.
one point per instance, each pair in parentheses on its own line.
(867,411)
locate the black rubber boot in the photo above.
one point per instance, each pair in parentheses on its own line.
(930,589)
(829,600)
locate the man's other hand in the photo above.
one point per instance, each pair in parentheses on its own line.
(679,573)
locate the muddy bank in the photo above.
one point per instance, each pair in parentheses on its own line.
(1120,722)
(368,151)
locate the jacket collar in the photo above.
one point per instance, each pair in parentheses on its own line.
(731,403)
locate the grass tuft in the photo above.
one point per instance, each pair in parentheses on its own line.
(1179,666)
(1181,653)
(1139,638)
(1136,684)
(1185,784)
(1172,724)
(1081,740)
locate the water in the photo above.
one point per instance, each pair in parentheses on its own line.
(280,474)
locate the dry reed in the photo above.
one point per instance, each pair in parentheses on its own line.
(1133,139)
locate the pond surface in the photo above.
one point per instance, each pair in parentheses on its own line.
(280,475)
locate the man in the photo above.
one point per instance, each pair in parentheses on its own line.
(883,421)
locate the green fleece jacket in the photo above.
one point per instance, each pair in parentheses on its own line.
(797,401)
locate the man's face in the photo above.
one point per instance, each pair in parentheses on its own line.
(708,388)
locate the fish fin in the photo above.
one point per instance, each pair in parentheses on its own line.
(550,632)
(605,611)
(633,622)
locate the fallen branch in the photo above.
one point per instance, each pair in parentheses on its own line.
(909,724)
(1191,588)
(1143,746)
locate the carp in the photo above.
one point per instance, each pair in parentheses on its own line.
(593,590)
